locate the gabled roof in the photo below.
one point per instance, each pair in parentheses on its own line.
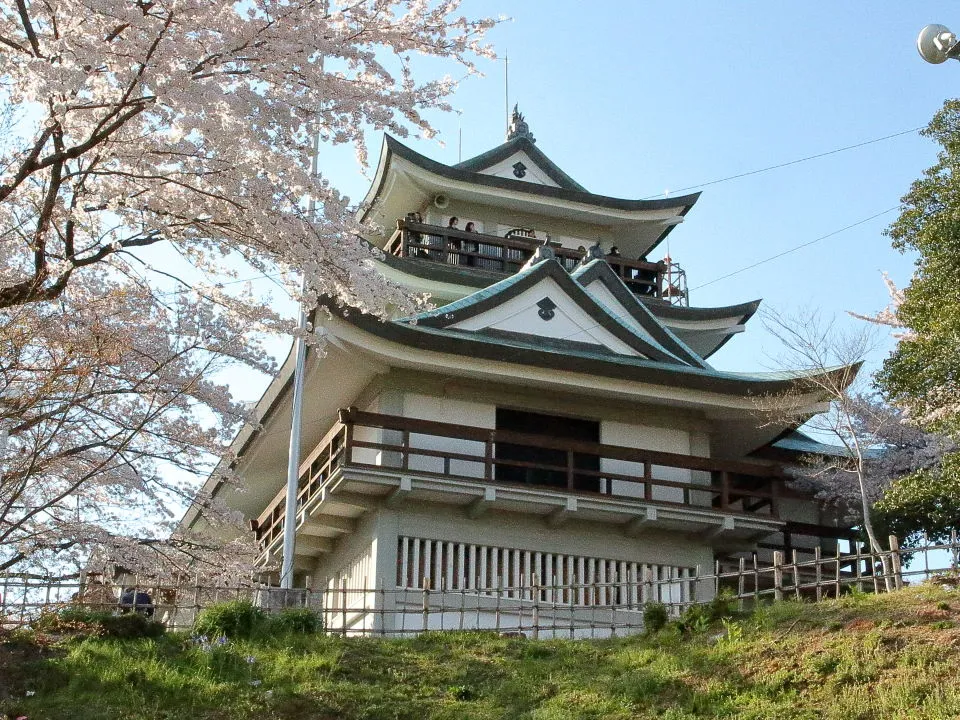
(595,362)
(405,178)
(598,271)
(520,144)
(526,303)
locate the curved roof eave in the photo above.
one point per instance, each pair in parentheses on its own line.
(622,367)
(392,147)
(738,313)
(598,269)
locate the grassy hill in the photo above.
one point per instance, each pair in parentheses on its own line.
(889,656)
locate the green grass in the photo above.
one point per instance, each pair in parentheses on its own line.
(862,657)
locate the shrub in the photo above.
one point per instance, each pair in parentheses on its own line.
(721,606)
(81,621)
(654,617)
(695,619)
(296,620)
(234,619)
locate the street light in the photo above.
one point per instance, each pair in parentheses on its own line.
(937,44)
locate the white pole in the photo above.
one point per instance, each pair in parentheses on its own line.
(296,419)
(293,458)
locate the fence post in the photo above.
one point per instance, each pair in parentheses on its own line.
(343,607)
(837,571)
(859,561)
(426,603)
(895,562)
(778,575)
(818,572)
(796,576)
(696,586)
(740,583)
(535,614)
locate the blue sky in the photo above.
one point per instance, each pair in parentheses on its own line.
(636,99)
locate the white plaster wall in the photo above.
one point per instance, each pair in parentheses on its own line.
(449,410)
(353,562)
(645,437)
(602,294)
(520,314)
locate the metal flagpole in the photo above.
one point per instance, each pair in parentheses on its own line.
(293,458)
(296,419)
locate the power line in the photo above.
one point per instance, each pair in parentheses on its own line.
(748,267)
(792,162)
(796,247)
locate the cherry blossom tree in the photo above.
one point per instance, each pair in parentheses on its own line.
(187,125)
(191,122)
(109,417)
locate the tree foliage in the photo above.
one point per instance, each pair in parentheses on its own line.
(923,504)
(923,374)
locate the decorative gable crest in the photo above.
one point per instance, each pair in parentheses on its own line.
(519,127)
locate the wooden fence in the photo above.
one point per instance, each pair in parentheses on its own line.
(537,606)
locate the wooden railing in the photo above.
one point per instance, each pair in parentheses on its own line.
(451,246)
(411,445)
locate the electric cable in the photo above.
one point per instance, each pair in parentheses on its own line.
(791,162)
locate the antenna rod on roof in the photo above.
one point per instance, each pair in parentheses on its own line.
(506,90)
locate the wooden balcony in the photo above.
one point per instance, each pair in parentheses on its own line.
(479,457)
(508,254)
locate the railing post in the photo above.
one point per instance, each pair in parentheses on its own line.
(724,490)
(895,562)
(778,575)
(775,497)
(488,458)
(405,452)
(570,470)
(647,480)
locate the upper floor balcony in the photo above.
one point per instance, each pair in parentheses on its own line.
(508,254)
(368,460)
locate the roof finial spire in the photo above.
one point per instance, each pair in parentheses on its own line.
(519,127)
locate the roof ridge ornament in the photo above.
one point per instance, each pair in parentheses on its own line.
(543,252)
(519,127)
(594,252)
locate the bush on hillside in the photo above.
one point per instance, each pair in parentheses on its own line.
(81,621)
(233,619)
(654,617)
(296,620)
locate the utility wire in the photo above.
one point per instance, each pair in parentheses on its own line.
(792,162)
(797,247)
(748,267)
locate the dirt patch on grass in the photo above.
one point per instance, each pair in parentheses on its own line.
(18,663)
